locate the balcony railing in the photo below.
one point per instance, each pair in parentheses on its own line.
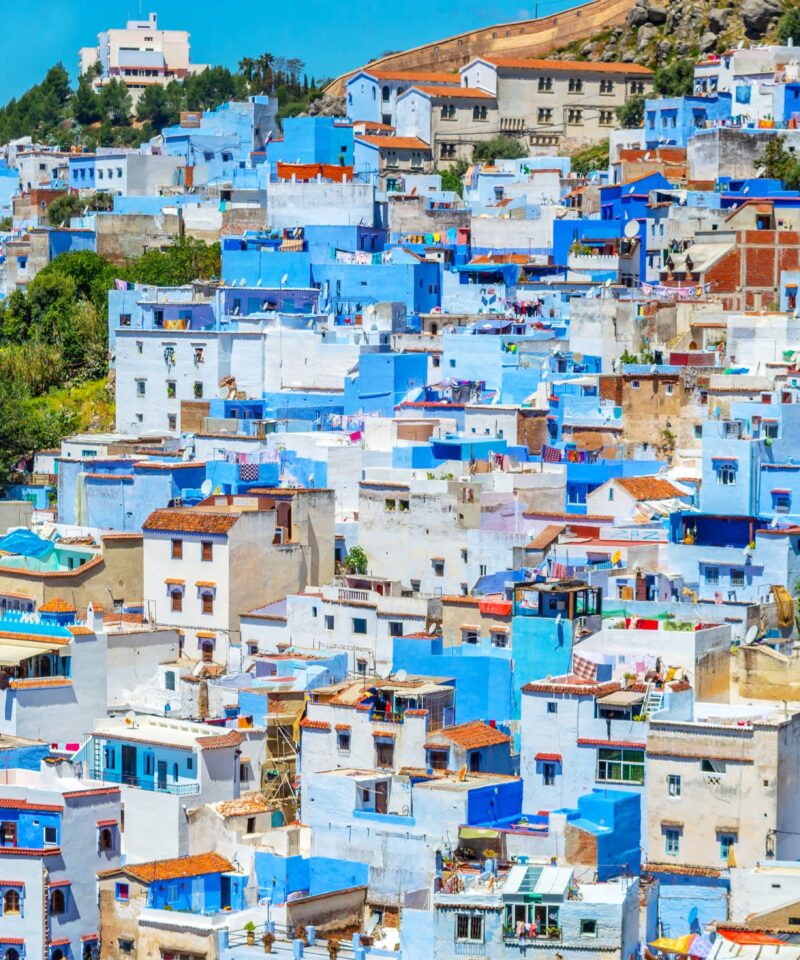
(146,783)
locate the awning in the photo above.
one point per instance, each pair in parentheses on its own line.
(478,833)
(12,654)
(622,698)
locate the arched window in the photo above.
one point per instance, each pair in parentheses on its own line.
(106,839)
(386,93)
(57,955)
(11,902)
(58,905)
(12,954)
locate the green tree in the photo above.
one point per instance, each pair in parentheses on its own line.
(499,148)
(86,105)
(116,103)
(158,108)
(453,178)
(356,561)
(778,164)
(631,113)
(594,157)
(789,25)
(63,209)
(674,80)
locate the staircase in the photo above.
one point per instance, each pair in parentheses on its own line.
(653,699)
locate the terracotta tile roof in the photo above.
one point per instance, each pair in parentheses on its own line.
(196,866)
(247,805)
(230,739)
(549,757)
(455,92)
(545,537)
(572,684)
(471,736)
(154,465)
(79,630)
(681,869)
(308,724)
(31,852)
(35,637)
(57,605)
(391,734)
(622,744)
(12,883)
(573,66)
(396,143)
(60,883)
(107,823)
(92,792)
(190,521)
(343,726)
(416,713)
(12,803)
(40,682)
(649,488)
(62,942)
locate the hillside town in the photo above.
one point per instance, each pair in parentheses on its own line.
(463,436)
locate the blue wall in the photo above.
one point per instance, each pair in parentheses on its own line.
(278,877)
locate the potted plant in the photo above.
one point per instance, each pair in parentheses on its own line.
(552,932)
(250,930)
(333,949)
(268,939)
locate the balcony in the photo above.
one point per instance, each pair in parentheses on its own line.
(146,783)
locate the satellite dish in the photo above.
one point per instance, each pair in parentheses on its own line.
(752,633)
(631,229)
(401,676)
(130,719)
(206,487)
(284,279)
(558,619)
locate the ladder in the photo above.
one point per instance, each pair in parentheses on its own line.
(653,699)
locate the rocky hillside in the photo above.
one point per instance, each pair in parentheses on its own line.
(657,31)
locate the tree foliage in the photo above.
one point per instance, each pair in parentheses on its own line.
(789,25)
(356,561)
(631,113)
(594,157)
(676,79)
(453,179)
(779,164)
(498,148)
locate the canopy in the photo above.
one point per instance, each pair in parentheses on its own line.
(478,833)
(12,654)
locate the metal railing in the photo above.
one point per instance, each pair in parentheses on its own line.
(151,784)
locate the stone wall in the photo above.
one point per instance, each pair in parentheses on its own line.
(525,38)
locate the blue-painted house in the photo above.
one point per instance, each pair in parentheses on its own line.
(670,121)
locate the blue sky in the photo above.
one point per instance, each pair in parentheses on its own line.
(329,36)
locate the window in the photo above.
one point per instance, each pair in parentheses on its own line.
(176,597)
(50,837)
(726,474)
(404,506)
(206,551)
(58,903)
(575,85)
(783,502)
(385,94)
(8,833)
(469,928)
(361,667)
(499,638)
(634,384)
(198,390)
(672,841)
(124,319)
(11,902)
(552,706)
(470,635)
(545,84)
(711,575)
(208,603)
(177,549)
(172,389)
(606,118)
(169,680)
(125,944)
(106,839)
(448,111)
(771,430)
(395,628)
(122,892)
(548,774)
(737,578)
(606,86)
(330,623)
(620,766)
(726,841)
(588,928)
(447,151)
(172,421)
(637,87)
(384,753)
(717,767)
(438,567)
(343,741)
(359,625)
(673,785)
(390,505)
(544,115)
(574,116)
(141,388)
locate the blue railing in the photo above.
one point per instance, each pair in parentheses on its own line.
(147,783)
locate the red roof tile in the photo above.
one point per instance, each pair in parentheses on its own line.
(455,92)
(573,66)
(472,736)
(57,605)
(649,488)
(196,866)
(549,757)
(190,520)
(396,143)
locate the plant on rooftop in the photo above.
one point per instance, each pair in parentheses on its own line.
(356,561)
(334,946)
(778,163)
